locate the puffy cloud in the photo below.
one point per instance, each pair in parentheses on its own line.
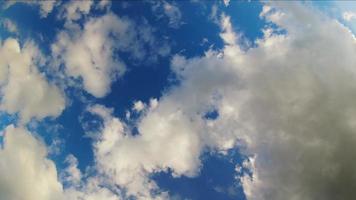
(46,7)
(24,89)
(303,124)
(138,106)
(287,103)
(25,172)
(129,167)
(171,137)
(91,53)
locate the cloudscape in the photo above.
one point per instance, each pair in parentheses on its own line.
(177,100)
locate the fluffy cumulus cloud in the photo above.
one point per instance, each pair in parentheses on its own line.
(290,111)
(90,53)
(20,80)
(286,103)
(25,172)
(301,108)
(166,142)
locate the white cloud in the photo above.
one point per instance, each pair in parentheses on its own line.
(24,90)
(228,34)
(173,13)
(138,106)
(91,190)
(101,111)
(287,102)
(25,172)
(104,4)
(92,52)
(72,174)
(169,10)
(46,6)
(9,25)
(130,167)
(226,2)
(153,103)
(89,53)
(74,10)
(349,16)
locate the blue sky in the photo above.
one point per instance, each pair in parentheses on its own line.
(177,100)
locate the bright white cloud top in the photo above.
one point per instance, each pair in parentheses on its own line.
(24,90)
(286,103)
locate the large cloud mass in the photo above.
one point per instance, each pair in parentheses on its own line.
(287,103)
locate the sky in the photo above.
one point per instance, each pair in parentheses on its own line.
(177,100)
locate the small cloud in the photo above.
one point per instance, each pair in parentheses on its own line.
(173,13)
(168,10)
(153,103)
(138,106)
(348,15)
(226,2)
(45,7)
(9,25)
